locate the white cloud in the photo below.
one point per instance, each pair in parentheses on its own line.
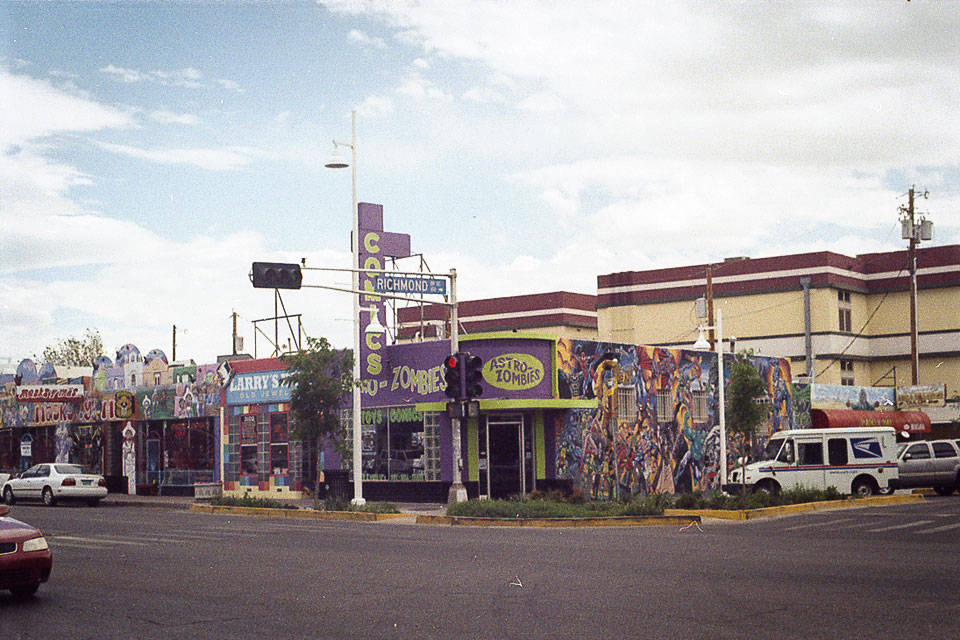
(375,106)
(359,37)
(168,117)
(33,109)
(229,159)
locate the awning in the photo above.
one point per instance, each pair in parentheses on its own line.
(902,421)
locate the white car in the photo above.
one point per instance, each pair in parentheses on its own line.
(53,481)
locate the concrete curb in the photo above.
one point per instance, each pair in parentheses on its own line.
(303,514)
(550,523)
(770,512)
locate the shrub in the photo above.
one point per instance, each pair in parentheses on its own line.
(341,504)
(548,506)
(250,501)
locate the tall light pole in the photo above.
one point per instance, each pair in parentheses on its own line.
(703,345)
(337,162)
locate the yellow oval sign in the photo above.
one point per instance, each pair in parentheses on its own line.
(513,371)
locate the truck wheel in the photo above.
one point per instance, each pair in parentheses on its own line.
(768,486)
(863,488)
(943,490)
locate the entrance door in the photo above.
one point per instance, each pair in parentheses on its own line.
(505,452)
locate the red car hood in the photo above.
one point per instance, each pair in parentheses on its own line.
(11,529)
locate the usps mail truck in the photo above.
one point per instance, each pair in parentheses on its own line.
(858,461)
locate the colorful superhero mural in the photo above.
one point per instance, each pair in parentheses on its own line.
(654,428)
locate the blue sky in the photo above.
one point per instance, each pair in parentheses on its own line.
(150,151)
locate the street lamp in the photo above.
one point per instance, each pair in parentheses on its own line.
(337,161)
(703,345)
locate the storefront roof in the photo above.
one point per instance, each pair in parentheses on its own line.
(907,421)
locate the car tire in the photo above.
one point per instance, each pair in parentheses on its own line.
(24,592)
(886,492)
(8,496)
(48,498)
(944,490)
(863,488)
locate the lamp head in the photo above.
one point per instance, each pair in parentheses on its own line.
(702,344)
(374,326)
(336,161)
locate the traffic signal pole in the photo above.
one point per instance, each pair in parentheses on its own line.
(458,492)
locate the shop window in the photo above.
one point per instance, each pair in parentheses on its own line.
(699,409)
(431,446)
(664,406)
(248,445)
(626,405)
(279,445)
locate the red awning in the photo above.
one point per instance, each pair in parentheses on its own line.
(908,421)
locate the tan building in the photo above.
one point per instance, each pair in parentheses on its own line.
(561,314)
(851,314)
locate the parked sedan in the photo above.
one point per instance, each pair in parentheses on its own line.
(25,559)
(52,481)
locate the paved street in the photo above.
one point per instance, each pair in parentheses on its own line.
(161,573)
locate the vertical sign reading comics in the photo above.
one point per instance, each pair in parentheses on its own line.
(375,247)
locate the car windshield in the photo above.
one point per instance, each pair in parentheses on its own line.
(67,468)
(772,449)
(901,448)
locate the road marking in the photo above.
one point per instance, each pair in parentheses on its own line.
(818,524)
(946,527)
(98,540)
(900,526)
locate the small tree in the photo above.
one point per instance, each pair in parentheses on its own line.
(321,378)
(75,352)
(744,415)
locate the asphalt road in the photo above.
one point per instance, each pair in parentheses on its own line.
(151,573)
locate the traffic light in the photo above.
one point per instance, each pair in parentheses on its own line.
(472,375)
(453,376)
(276,275)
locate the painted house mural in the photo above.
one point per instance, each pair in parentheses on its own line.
(654,428)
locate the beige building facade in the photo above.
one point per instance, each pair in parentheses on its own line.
(842,320)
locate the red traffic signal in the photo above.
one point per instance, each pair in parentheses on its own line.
(453,376)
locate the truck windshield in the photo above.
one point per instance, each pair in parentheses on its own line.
(772,449)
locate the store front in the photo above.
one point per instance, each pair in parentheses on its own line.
(258,453)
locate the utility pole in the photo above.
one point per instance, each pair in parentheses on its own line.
(234,333)
(174,343)
(915,233)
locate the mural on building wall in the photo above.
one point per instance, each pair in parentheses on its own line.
(654,426)
(830,396)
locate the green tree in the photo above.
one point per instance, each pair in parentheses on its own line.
(321,377)
(75,352)
(744,414)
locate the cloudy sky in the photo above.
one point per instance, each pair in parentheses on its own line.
(149,152)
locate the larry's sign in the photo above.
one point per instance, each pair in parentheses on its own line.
(257,388)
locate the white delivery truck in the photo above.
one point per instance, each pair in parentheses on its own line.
(859,461)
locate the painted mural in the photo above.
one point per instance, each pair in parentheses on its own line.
(654,425)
